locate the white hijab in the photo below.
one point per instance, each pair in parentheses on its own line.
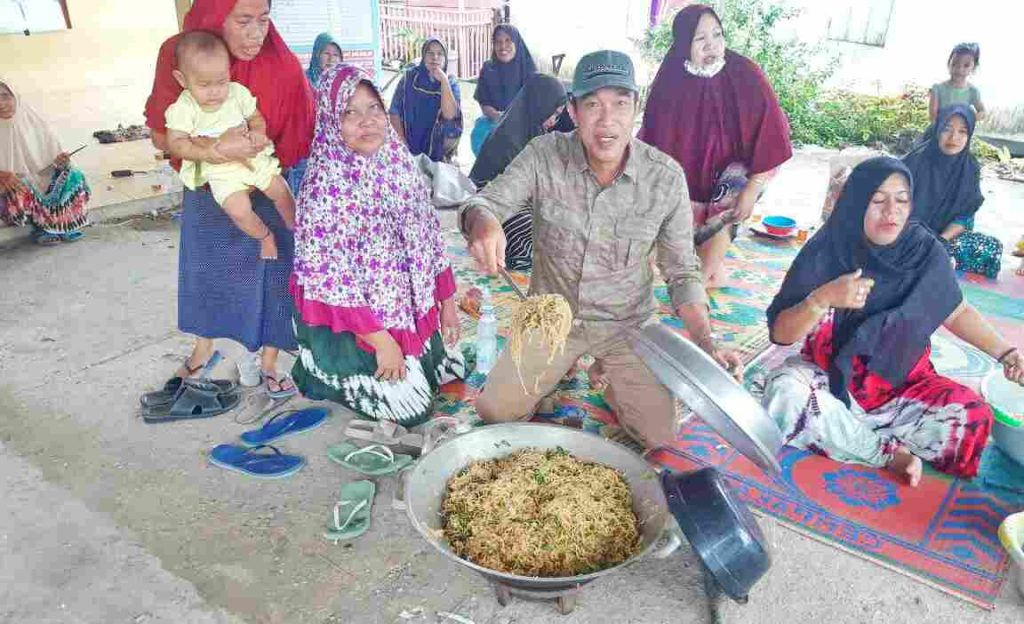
(28,145)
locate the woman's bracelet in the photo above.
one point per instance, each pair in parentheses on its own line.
(1002,358)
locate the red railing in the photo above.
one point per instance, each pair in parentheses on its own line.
(467,34)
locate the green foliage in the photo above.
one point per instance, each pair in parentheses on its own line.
(797,72)
(893,122)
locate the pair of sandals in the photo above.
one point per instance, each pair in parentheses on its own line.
(350,516)
(188,397)
(251,458)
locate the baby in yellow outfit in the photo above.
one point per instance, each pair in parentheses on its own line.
(209,106)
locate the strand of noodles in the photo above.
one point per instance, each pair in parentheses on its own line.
(547,315)
(541,513)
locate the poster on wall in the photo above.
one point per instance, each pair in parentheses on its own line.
(354,24)
(27,17)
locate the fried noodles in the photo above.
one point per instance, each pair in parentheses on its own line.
(541,513)
(548,316)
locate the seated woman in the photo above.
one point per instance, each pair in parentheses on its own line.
(947,191)
(38,185)
(501,78)
(533,112)
(372,286)
(326,54)
(426,111)
(867,292)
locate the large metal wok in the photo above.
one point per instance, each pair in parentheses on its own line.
(426,482)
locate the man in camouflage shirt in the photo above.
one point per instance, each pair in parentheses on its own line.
(602,202)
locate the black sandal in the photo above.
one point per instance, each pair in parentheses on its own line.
(196,398)
(168,393)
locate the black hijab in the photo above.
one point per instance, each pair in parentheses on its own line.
(946,188)
(500,82)
(536,102)
(915,287)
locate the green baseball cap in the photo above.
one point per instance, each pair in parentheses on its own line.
(605,68)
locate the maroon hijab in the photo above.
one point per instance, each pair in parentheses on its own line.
(708,123)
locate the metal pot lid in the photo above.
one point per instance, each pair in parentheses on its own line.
(699,382)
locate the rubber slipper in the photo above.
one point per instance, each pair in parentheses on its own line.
(47,239)
(173,385)
(383,432)
(165,396)
(195,399)
(351,515)
(278,394)
(249,462)
(71,237)
(286,424)
(373,460)
(439,430)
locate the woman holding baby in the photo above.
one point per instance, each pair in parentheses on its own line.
(228,285)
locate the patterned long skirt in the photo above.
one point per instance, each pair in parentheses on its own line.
(224,289)
(61,209)
(977,253)
(332,366)
(934,417)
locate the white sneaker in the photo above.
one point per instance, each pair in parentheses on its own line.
(249,374)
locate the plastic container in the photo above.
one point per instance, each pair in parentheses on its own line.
(486,335)
(779,226)
(249,374)
(1007,400)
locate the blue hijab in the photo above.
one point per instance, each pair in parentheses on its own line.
(315,70)
(499,82)
(915,287)
(418,102)
(946,188)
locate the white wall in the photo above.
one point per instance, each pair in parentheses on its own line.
(575,27)
(921,35)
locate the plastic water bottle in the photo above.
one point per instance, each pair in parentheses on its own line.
(486,335)
(167,177)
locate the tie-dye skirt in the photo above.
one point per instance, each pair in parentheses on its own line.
(332,366)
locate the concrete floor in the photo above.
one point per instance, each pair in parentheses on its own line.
(111,520)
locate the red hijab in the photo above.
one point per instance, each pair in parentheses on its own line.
(708,123)
(274,77)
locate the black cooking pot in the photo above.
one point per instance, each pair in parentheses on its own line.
(720,528)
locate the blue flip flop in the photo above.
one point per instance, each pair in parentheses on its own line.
(284,425)
(251,463)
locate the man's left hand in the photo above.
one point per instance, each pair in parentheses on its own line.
(728,359)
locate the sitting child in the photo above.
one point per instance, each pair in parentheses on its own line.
(209,106)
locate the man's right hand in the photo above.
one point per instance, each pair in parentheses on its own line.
(486,241)
(10,183)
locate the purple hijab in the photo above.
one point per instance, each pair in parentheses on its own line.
(369,254)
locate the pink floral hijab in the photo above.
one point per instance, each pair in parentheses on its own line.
(369,254)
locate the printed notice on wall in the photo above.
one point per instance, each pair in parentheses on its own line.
(354,24)
(27,17)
